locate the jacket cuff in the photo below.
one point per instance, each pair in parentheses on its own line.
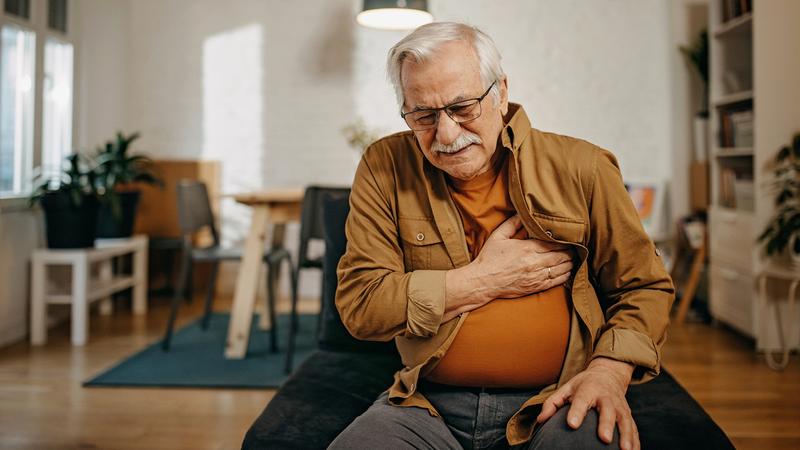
(629,346)
(425,302)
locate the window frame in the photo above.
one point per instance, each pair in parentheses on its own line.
(42,32)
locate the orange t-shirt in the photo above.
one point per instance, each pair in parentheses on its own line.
(518,342)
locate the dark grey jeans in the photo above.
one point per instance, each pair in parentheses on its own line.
(472,418)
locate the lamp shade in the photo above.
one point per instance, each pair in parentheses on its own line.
(394,14)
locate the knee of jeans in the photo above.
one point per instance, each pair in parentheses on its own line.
(557,434)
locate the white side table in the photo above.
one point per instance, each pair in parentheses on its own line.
(84,288)
(793,277)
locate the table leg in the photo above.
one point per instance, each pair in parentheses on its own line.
(247,286)
(80,302)
(106,275)
(38,305)
(140,279)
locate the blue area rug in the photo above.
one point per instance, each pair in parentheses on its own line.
(196,359)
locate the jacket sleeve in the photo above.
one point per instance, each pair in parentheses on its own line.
(376,298)
(634,288)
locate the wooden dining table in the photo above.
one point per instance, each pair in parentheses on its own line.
(275,207)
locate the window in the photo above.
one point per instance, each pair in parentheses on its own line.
(57,15)
(17,56)
(20,8)
(36,91)
(57,104)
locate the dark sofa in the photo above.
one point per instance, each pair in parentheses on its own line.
(342,379)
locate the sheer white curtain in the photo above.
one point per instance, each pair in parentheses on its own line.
(17,63)
(57,104)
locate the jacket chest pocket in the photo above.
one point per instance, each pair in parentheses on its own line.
(422,246)
(562,228)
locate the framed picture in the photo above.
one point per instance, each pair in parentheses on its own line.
(648,198)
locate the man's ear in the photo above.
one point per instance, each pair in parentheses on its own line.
(504,96)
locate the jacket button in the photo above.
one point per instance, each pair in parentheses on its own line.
(420,237)
(549,234)
(413,386)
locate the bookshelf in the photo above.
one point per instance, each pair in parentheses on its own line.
(751,42)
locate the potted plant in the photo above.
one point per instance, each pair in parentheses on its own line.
(70,204)
(359,135)
(117,176)
(697,56)
(783,231)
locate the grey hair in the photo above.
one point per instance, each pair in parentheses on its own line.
(422,43)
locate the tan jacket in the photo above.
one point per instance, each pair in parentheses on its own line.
(404,233)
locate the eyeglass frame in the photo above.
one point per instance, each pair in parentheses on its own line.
(445,109)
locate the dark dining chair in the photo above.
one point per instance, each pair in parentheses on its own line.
(312,227)
(194,215)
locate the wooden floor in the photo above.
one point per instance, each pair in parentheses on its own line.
(43,406)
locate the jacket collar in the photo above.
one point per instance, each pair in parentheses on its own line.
(517,127)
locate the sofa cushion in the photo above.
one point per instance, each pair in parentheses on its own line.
(330,389)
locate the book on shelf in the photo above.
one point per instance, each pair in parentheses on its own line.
(732,9)
(736,188)
(736,128)
(727,177)
(742,124)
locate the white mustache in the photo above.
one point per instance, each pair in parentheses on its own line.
(464,139)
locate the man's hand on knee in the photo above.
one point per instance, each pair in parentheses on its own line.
(601,386)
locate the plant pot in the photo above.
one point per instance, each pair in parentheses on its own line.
(700,135)
(111,226)
(67,225)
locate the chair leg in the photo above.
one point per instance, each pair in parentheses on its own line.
(212,284)
(272,276)
(177,299)
(293,320)
(189,286)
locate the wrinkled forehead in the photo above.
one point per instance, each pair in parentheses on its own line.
(450,74)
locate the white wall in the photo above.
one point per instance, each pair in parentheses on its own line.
(101,71)
(265,87)
(20,234)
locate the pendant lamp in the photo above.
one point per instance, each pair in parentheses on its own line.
(394,14)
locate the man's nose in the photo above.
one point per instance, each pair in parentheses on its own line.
(447,130)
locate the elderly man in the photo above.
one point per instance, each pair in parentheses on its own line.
(508,264)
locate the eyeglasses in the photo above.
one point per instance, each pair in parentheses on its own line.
(461,112)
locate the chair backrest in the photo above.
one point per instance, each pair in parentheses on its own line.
(194,209)
(312,225)
(334,336)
